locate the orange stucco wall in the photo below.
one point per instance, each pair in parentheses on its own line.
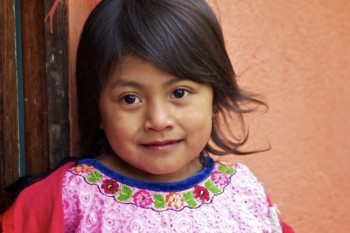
(295,54)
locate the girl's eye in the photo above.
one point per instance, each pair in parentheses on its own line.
(179,93)
(131,99)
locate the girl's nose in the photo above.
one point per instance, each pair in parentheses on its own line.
(158,117)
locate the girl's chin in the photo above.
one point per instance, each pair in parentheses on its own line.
(170,173)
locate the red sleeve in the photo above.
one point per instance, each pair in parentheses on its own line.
(6,221)
(38,208)
(286,228)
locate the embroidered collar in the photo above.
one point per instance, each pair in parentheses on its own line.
(191,192)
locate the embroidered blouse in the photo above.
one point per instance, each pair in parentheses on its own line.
(216,199)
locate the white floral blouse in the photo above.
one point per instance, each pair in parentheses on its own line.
(217,199)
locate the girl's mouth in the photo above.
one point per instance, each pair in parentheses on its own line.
(165,145)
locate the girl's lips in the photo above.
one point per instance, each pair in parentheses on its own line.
(161,145)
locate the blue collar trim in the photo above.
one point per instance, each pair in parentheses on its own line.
(155,186)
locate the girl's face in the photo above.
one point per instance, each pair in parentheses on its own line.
(155,123)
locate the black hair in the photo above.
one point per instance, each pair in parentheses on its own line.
(181,37)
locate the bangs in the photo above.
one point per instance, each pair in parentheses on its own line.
(172,39)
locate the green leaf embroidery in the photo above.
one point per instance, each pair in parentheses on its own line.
(208,184)
(189,199)
(191,203)
(94,177)
(125,194)
(212,188)
(188,196)
(215,189)
(227,170)
(159,201)
(222,169)
(230,171)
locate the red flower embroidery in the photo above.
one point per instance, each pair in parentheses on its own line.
(201,193)
(110,186)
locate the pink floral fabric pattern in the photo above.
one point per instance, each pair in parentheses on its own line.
(229,199)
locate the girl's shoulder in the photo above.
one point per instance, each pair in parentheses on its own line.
(26,182)
(48,184)
(39,198)
(246,182)
(242,172)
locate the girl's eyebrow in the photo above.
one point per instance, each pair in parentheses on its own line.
(135,84)
(125,83)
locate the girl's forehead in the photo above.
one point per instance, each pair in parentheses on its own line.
(134,67)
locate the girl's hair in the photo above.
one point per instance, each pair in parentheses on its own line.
(180,37)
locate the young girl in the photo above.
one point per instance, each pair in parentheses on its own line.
(155,89)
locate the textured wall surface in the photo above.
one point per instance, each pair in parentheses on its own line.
(295,54)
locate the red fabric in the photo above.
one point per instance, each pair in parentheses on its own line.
(38,208)
(285,228)
(7,219)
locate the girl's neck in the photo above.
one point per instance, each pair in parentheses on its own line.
(113,162)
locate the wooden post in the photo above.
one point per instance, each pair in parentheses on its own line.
(34,84)
(45,71)
(57,74)
(9,159)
